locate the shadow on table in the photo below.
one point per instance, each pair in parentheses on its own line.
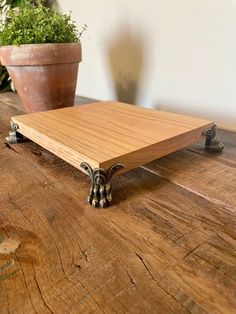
(137,184)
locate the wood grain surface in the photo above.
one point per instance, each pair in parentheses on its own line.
(104,133)
(167,245)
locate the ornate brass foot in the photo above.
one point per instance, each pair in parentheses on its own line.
(14,136)
(100,194)
(212,144)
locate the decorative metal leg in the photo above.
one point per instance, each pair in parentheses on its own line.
(100,194)
(212,144)
(14,136)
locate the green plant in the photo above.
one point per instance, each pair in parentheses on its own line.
(5,8)
(37,25)
(16,27)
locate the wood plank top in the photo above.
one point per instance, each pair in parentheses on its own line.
(166,245)
(103,133)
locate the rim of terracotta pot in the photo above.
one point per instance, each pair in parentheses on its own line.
(40,54)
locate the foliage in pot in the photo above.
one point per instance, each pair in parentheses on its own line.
(5,7)
(41,50)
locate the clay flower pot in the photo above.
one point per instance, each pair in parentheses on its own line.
(44,75)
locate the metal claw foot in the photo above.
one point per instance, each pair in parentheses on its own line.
(14,136)
(100,194)
(212,144)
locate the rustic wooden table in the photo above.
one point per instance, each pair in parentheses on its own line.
(167,245)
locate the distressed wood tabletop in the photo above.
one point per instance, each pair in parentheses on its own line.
(166,245)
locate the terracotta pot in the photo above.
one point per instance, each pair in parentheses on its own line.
(44,75)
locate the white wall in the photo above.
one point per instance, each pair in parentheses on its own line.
(177,55)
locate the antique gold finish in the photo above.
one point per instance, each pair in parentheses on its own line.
(14,136)
(100,194)
(212,144)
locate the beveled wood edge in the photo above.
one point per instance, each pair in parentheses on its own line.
(154,151)
(33,136)
(144,155)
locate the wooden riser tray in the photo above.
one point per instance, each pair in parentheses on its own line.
(107,137)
